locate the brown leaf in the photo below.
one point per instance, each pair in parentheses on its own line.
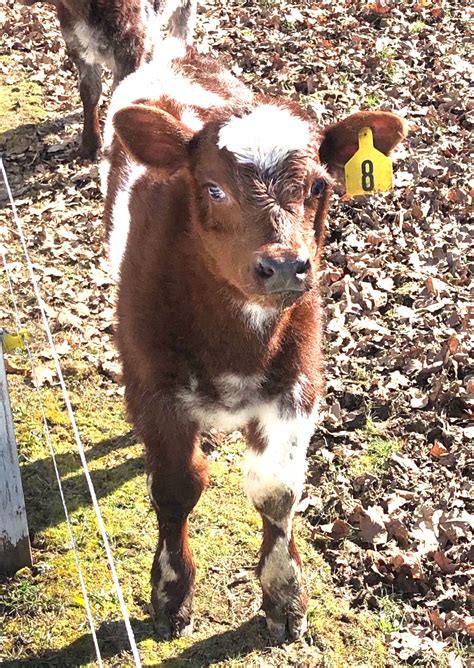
(438,450)
(340,529)
(372,525)
(396,529)
(445,564)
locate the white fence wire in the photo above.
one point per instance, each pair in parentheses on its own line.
(78,441)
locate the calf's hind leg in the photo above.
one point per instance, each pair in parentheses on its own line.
(90,86)
(183,19)
(276,465)
(177,475)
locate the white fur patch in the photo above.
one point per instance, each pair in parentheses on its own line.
(283,461)
(149,485)
(233,390)
(152,25)
(93,51)
(104,170)
(168,574)
(258,317)
(264,137)
(121,218)
(191,120)
(159,78)
(282,465)
(279,568)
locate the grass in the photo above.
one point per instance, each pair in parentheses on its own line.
(417,26)
(391,614)
(42,610)
(379,449)
(372,101)
(21,101)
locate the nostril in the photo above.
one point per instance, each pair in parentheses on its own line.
(264,268)
(303,266)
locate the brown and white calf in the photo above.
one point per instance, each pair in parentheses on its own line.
(120,35)
(215,211)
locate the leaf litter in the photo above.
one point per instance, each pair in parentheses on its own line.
(389,492)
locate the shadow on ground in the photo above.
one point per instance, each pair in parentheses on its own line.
(39,481)
(112,639)
(25,145)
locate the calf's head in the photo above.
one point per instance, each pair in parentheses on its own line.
(261,182)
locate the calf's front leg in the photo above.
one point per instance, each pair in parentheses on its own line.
(275,471)
(177,475)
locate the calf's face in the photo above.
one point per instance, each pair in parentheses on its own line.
(262,183)
(257,198)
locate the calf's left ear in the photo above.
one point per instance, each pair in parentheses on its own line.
(153,137)
(341,140)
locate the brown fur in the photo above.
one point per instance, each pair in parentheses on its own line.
(189,267)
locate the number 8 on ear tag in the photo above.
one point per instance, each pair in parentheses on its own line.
(369,170)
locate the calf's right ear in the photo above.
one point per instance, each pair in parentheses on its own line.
(153,137)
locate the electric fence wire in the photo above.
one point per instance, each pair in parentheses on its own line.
(47,435)
(80,447)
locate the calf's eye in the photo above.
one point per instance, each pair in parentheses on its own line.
(317,188)
(216,193)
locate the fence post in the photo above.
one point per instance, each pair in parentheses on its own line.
(15,550)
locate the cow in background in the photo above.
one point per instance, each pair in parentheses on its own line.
(120,35)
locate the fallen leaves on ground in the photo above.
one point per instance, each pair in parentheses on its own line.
(389,486)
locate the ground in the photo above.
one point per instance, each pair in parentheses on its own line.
(385,525)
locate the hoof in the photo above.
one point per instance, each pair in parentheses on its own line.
(286,627)
(90,151)
(89,154)
(168,625)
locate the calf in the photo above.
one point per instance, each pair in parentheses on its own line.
(215,212)
(120,34)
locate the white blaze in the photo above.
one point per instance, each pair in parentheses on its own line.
(265,136)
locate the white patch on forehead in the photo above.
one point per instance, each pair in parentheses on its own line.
(264,137)
(120,218)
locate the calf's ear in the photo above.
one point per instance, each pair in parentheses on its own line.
(153,137)
(340,141)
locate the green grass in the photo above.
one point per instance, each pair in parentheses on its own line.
(417,26)
(44,607)
(390,615)
(372,101)
(379,449)
(21,101)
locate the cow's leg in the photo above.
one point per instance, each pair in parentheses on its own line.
(183,20)
(90,85)
(275,471)
(90,89)
(177,475)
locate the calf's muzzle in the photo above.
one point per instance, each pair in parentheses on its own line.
(283,274)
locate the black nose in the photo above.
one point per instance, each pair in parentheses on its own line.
(283,274)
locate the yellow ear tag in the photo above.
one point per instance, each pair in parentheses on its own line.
(368,171)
